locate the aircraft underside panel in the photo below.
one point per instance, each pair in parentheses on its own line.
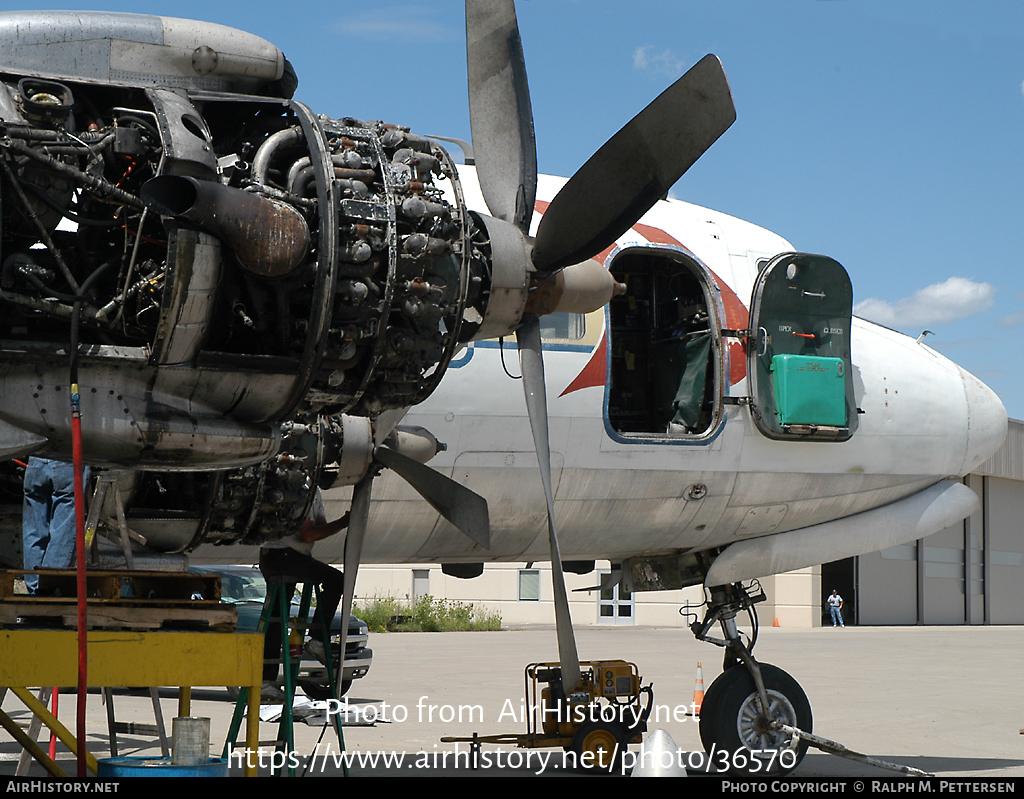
(599,527)
(909,519)
(134,413)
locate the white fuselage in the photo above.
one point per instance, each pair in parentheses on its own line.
(922,419)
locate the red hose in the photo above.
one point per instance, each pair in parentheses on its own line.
(53,735)
(76,448)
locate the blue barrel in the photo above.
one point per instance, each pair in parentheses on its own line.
(114,767)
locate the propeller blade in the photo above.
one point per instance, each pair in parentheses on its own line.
(635,167)
(465,509)
(500,114)
(358,515)
(532,362)
(386,422)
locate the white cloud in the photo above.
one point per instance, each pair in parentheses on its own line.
(665,63)
(956,298)
(404,23)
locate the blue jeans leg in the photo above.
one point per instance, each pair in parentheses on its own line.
(837,615)
(48,517)
(35,518)
(60,554)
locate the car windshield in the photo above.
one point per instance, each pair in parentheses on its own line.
(243,588)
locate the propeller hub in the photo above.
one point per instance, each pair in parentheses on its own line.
(580,288)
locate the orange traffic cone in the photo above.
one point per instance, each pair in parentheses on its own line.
(698,690)
(776,622)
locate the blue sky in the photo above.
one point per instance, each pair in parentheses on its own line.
(887,135)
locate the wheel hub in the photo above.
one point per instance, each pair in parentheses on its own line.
(762,724)
(754,727)
(602,744)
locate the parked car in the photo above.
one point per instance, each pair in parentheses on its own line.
(245,588)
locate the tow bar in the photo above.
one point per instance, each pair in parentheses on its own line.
(825,745)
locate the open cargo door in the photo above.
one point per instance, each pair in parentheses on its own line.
(799,354)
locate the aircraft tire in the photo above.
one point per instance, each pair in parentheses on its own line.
(599,745)
(729,714)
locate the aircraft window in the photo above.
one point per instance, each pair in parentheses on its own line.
(563,326)
(529,585)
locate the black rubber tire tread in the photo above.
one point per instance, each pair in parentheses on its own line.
(722,703)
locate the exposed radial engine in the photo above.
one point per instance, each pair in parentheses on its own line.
(249,283)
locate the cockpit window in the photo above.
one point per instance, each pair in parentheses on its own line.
(563,327)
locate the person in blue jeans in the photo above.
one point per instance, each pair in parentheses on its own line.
(48,517)
(835,606)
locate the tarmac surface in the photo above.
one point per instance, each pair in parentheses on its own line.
(945,700)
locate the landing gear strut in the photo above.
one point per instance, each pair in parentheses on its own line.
(745,707)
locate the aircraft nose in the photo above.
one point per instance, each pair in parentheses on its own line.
(986,422)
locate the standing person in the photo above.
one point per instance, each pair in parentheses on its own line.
(48,517)
(292,557)
(835,606)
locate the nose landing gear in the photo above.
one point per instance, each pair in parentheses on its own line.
(755,718)
(745,707)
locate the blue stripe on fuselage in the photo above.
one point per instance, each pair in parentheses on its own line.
(510,344)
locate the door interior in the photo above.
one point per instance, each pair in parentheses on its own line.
(666,354)
(799,350)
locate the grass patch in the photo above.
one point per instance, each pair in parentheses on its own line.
(426,614)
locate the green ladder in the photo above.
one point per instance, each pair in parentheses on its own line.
(277,604)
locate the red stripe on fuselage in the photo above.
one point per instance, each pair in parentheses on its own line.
(736,314)
(595,373)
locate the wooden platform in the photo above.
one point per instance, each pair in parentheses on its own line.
(118,600)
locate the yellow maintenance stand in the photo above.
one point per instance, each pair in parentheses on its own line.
(50,657)
(116,658)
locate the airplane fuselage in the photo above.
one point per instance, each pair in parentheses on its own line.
(920,419)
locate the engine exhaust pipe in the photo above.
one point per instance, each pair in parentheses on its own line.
(269,238)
